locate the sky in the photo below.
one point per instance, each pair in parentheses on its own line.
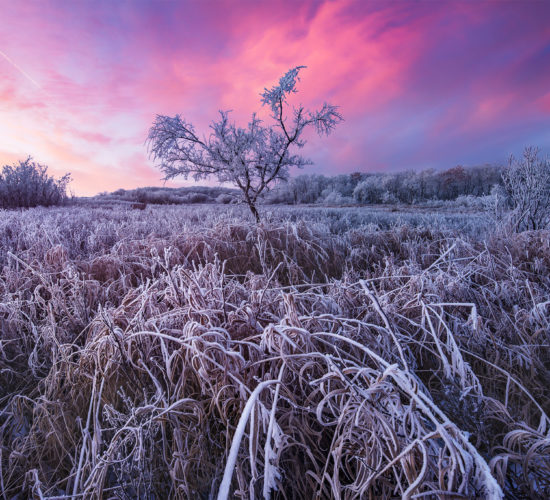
(421,84)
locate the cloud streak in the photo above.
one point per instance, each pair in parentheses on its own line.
(24,73)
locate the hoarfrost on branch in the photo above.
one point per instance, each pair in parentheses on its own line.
(251,158)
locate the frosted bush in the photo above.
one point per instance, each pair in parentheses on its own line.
(27,184)
(527,183)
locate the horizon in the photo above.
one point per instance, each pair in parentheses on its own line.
(424,85)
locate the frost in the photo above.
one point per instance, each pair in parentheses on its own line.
(251,158)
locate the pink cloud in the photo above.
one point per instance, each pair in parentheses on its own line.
(417,83)
(94,137)
(544,103)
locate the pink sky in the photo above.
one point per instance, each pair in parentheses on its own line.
(420,84)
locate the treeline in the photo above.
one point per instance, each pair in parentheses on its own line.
(399,187)
(357,188)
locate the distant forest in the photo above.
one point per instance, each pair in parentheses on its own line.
(464,184)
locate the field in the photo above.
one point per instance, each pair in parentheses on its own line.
(186,352)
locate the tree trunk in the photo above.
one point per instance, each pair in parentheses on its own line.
(254,211)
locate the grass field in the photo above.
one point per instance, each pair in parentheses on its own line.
(186,352)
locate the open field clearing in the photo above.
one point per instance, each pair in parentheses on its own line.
(187,352)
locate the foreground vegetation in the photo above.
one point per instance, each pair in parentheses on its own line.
(179,352)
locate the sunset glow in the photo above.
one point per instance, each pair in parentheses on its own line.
(420,84)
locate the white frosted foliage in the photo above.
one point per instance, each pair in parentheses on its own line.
(251,158)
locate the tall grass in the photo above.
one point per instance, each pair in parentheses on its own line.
(182,353)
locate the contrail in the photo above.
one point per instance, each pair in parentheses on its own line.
(26,75)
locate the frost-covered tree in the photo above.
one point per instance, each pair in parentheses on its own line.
(251,158)
(527,182)
(370,190)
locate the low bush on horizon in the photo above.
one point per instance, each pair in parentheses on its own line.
(187,353)
(172,196)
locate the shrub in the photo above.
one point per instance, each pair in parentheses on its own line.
(224,199)
(29,185)
(198,198)
(527,182)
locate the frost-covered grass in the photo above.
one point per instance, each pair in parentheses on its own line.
(185,352)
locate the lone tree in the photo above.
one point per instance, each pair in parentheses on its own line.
(251,158)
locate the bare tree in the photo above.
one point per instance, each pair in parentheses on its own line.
(527,182)
(251,158)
